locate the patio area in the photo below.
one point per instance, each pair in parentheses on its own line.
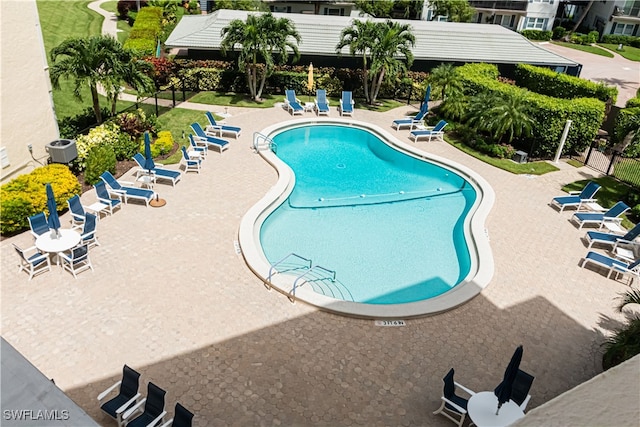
(171,297)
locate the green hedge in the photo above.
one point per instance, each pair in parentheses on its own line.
(627,120)
(25,195)
(537,34)
(548,82)
(146,30)
(620,39)
(549,114)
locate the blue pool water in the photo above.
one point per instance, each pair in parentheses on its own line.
(390,225)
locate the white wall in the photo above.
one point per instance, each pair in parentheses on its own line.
(26,107)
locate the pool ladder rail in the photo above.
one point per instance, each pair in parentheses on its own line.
(321,279)
(263,142)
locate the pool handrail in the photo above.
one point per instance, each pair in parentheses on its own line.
(273,266)
(270,144)
(315,267)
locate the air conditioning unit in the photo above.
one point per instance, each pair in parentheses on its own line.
(62,150)
(519,157)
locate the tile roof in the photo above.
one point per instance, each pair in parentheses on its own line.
(435,41)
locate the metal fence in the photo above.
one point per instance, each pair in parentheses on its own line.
(612,163)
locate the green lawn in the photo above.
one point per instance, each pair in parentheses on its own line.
(235,99)
(629,52)
(59,21)
(611,192)
(178,120)
(585,48)
(533,168)
(628,170)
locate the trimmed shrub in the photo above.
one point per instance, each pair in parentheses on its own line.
(101,158)
(548,82)
(620,39)
(633,102)
(537,34)
(558,33)
(145,32)
(162,145)
(585,39)
(106,133)
(549,114)
(135,123)
(25,195)
(628,120)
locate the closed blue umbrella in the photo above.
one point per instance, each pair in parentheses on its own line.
(427,97)
(503,391)
(53,220)
(148,160)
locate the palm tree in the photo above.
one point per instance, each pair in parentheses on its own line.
(501,116)
(83,60)
(129,70)
(446,78)
(630,297)
(510,117)
(394,40)
(360,37)
(383,43)
(262,38)
(98,60)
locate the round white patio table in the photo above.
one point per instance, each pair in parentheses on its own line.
(67,240)
(482,410)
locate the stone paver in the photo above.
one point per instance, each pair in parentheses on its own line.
(171,297)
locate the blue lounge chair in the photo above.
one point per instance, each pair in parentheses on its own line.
(613,264)
(429,132)
(322,105)
(599,219)
(191,164)
(215,127)
(346,103)
(577,198)
(411,122)
(291,103)
(127,191)
(105,198)
(612,239)
(202,136)
(159,173)
(38,224)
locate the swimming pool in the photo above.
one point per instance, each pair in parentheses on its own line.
(393,224)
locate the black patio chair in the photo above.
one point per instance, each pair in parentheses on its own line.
(181,418)
(126,398)
(153,412)
(453,406)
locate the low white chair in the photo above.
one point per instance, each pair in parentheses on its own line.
(453,406)
(76,260)
(33,264)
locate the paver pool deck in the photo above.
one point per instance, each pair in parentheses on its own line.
(172,298)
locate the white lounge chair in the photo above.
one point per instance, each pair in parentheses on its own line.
(611,239)
(599,219)
(428,132)
(346,103)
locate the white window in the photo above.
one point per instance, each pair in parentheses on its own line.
(623,29)
(504,20)
(535,24)
(334,11)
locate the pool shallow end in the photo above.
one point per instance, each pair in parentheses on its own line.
(478,242)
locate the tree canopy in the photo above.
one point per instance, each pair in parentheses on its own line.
(455,10)
(261,39)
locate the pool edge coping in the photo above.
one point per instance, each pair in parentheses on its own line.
(475,231)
